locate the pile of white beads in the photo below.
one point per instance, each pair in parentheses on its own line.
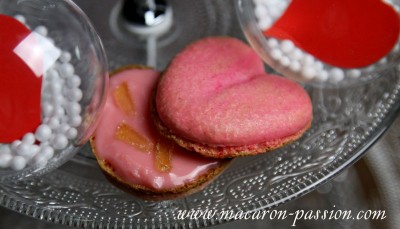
(61,115)
(304,66)
(268,11)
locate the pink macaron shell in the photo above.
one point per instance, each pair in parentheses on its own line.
(278,109)
(215,92)
(130,164)
(184,81)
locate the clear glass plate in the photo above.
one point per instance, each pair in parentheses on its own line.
(346,122)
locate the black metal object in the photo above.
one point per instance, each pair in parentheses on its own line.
(144,12)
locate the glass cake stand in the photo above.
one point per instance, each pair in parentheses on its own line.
(346,122)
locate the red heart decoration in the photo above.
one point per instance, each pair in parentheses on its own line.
(20,88)
(343,33)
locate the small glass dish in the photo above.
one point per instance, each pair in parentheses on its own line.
(272,39)
(59,78)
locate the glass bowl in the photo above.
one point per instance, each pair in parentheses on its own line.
(316,44)
(55,76)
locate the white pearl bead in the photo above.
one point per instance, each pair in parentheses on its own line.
(59,112)
(308,73)
(18,163)
(47,109)
(280,5)
(287,46)
(73,81)
(319,66)
(75,120)
(265,23)
(5,149)
(274,12)
(371,68)
(42,30)
(57,100)
(65,57)
(74,94)
(34,150)
(73,108)
(60,142)
(322,76)
(336,75)
(40,161)
(52,75)
(272,42)
(383,61)
(43,133)
(308,60)
(260,11)
(45,143)
(24,149)
(276,54)
(66,70)
(56,87)
(72,133)
(64,119)
(354,73)
(396,47)
(5,160)
(297,54)
(20,18)
(46,95)
(29,138)
(285,61)
(14,145)
(54,123)
(63,128)
(47,152)
(295,66)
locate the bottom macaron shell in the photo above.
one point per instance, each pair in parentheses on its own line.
(166,194)
(226,151)
(126,141)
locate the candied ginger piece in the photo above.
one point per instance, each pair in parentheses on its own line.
(164,149)
(124,100)
(128,135)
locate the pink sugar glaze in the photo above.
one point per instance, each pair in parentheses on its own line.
(130,164)
(216,92)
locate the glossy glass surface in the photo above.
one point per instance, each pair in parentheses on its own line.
(56,43)
(323,47)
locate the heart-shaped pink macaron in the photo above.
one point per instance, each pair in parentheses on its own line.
(20,88)
(216,94)
(342,33)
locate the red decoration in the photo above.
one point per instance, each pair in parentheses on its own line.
(20,88)
(343,33)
